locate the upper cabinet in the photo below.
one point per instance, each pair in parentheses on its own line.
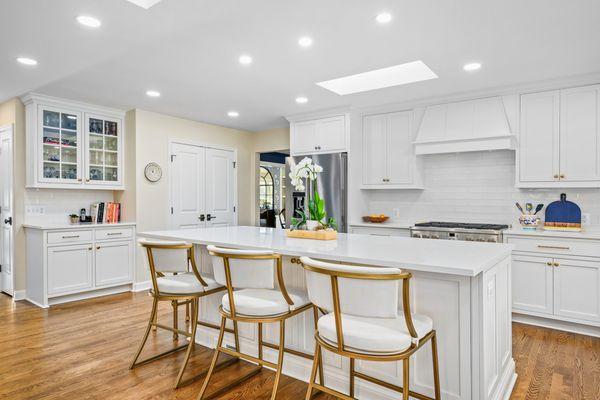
(73,145)
(559,142)
(388,157)
(321,135)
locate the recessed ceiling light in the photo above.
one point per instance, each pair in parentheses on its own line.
(305,41)
(144,3)
(380,78)
(88,21)
(26,61)
(383,18)
(245,59)
(233,114)
(472,66)
(152,93)
(301,100)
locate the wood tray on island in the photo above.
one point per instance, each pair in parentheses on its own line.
(315,235)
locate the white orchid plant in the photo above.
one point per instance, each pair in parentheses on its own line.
(308,171)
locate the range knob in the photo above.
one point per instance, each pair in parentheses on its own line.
(480,239)
(469,239)
(416,235)
(425,236)
(435,236)
(492,240)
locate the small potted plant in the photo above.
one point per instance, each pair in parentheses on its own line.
(74,218)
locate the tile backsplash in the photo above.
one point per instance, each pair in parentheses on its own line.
(54,205)
(472,187)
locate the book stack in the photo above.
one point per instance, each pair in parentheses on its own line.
(105,213)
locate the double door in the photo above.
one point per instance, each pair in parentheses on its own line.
(202,187)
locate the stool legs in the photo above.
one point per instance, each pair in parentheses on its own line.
(313,373)
(316,320)
(352,377)
(175,319)
(279,358)
(150,321)
(191,344)
(436,367)
(405,379)
(215,358)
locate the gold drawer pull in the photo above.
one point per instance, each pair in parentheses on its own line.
(554,247)
(70,237)
(295,260)
(556,264)
(549,264)
(114,233)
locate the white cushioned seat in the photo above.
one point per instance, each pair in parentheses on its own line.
(184,283)
(374,335)
(264,302)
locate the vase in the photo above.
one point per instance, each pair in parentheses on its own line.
(312,225)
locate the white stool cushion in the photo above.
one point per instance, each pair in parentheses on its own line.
(374,335)
(264,302)
(186,283)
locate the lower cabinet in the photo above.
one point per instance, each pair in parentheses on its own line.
(532,284)
(113,263)
(379,231)
(69,268)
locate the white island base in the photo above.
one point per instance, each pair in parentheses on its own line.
(470,307)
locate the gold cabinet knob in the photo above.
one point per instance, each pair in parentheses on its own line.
(549,264)
(555,176)
(97,247)
(556,264)
(562,176)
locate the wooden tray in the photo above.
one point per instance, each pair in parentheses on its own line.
(315,235)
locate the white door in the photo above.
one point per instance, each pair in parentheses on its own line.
(539,137)
(6,210)
(374,153)
(577,289)
(220,188)
(580,134)
(330,134)
(303,137)
(187,186)
(399,148)
(532,282)
(69,269)
(114,263)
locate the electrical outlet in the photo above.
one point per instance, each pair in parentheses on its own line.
(396,212)
(35,210)
(586,219)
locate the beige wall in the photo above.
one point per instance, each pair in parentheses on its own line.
(12,112)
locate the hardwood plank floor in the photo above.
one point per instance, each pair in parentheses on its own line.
(82,350)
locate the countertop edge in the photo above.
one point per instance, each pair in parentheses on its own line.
(56,227)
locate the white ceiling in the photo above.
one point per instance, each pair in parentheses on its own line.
(188,50)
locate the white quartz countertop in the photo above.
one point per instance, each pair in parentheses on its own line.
(393,225)
(429,255)
(66,225)
(593,233)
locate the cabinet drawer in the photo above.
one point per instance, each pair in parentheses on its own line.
(558,246)
(77,236)
(380,231)
(114,233)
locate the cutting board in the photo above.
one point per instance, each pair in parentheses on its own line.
(563,215)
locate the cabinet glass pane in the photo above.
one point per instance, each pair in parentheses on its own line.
(51,136)
(69,138)
(96,142)
(69,155)
(51,152)
(96,126)
(96,157)
(51,170)
(111,143)
(68,121)
(96,173)
(51,118)
(110,159)
(69,171)
(111,174)
(110,128)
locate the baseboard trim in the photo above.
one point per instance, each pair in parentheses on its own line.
(89,295)
(141,286)
(556,324)
(19,295)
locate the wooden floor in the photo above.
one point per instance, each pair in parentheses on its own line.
(82,350)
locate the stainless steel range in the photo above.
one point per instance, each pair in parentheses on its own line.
(458,231)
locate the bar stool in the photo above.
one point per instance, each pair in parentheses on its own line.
(249,276)
(173,281)
(362,322)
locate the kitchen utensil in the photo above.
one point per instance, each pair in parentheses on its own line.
(563,215)
(520,208)
(538,208)
(529,208)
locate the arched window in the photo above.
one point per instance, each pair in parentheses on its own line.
(267,193)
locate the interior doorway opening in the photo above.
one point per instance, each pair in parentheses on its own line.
(271,189)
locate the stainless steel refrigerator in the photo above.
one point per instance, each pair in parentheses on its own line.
(332,185)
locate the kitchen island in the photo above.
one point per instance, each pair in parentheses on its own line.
(463,286)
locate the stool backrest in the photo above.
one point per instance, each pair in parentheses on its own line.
(248,269)
(167,256)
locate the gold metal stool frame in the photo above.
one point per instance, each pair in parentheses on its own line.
(187,299)
(340,349)
(233,316)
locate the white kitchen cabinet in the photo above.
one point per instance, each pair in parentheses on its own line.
(67,263)
(69,269)
(321,135)
(388,157)
(113,262)
(380,230)
(559,142)
(532,284)
(72,145)
(577,289)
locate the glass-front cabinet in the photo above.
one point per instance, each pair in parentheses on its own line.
(73,145)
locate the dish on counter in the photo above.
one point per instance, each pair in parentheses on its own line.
(375,218)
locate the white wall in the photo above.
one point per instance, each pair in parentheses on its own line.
(470,187)
(59,203)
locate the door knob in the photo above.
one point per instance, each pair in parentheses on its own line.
(201,217)
(8,221)
(210,217)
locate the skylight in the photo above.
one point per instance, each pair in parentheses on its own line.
(402,74)
(144,3)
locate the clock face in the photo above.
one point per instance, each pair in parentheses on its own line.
(153,172)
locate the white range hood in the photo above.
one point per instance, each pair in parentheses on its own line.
(473,125)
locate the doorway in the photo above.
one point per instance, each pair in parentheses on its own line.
(271,189)
(6,210)
(203,189)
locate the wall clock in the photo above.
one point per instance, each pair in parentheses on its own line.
(153,172)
